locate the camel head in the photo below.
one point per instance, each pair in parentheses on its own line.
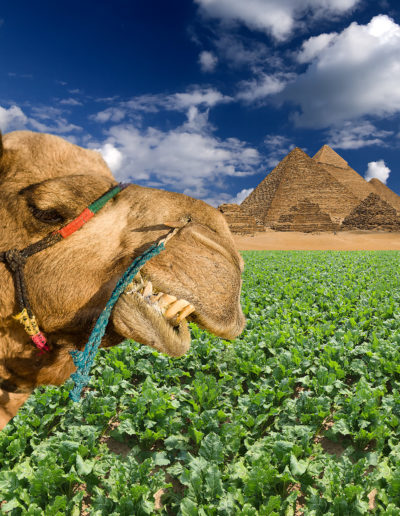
(45,182)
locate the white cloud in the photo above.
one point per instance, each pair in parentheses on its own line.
(312,47)
(154,103)
(259,89)
(12,118)
(377,169)
(241,196)
(70,102)
(112,156)
(278,18)
(48,119)
(208,61)
(351,75)
(354,136)
(45,119)
(112,114)
(278,147)
(204,97)
(189,158)
(239,51)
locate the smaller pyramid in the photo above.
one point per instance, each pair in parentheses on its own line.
(386,193)
(372,213)
(327,156)
(239,222)
(342,172)
(307,217)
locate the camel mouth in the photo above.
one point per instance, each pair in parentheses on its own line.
(153,317)
(174,311)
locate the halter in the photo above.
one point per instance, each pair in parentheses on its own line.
(15,260)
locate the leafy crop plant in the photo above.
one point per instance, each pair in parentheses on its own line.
(300,415)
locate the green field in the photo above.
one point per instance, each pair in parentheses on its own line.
(299,415)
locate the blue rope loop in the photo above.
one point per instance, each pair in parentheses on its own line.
(83,360)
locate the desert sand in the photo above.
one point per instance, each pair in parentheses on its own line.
(341,241)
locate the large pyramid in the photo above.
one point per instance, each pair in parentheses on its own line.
(297,178)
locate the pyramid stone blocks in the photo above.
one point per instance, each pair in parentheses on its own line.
(386,193)
(239,222)
(307,217)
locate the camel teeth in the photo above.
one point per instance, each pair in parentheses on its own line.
(166,300)
(176,307)
(184,313)
(148,289)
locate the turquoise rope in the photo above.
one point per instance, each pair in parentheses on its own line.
(84,359)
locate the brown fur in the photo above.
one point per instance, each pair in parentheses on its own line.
(70,282)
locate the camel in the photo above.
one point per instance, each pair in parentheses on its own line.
(45,182)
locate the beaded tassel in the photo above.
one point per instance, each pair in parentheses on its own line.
(32,329)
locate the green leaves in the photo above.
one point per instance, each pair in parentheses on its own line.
(300,413)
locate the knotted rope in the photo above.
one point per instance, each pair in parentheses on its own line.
(15,260)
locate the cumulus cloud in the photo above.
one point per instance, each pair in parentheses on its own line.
(354,136)
(312,47)
(188,158)
(112,156)
(12,118)
(377,169)
(278,18)
(350,75)
(208,61)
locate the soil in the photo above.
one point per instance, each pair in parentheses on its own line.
(326,241)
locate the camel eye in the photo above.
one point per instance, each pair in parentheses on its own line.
(48,216)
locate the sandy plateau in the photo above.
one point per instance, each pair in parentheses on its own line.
(339,241)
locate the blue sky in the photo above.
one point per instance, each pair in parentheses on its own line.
(205,97)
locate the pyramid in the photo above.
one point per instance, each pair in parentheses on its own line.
(372,213)
(238,221)
(386,193)
(296,178)
(340,170)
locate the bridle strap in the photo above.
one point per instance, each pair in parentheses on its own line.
(15,260)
